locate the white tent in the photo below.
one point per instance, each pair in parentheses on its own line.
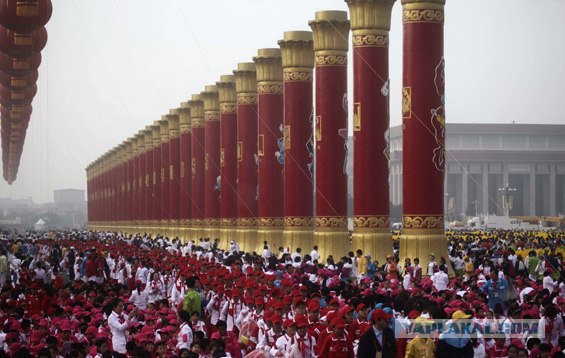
(39,225)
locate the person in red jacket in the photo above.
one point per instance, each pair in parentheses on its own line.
(337,344)
(360,325)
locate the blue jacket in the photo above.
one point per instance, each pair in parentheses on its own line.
(495,295)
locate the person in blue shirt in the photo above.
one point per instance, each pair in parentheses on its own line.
(496,289)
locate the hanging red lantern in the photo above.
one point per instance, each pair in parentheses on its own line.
(25,15)
(17,66)
(18,96)
(21,81)
(17,111)
(18,44)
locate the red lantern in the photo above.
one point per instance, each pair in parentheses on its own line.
(25,15)
(18,44)
(18,96)
(18,82)
(17,111)
(17,66)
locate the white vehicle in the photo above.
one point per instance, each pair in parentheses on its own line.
(500,222)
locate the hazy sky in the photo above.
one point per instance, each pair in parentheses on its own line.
(113,66)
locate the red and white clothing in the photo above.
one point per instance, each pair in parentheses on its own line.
(306,345)
(283,345)
(184,336)
(177,292)
(269,339)
(231,312)
(334,347)
(216,307)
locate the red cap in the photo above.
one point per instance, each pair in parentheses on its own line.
(301,321)
(288,323)
(276,318)
(380,314)
(338,322)
(361,306)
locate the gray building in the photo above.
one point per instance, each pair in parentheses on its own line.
(483,159)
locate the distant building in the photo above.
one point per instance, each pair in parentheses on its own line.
(481,159)
(70,206)
(68,197)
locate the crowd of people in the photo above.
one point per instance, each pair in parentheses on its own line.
(101,294)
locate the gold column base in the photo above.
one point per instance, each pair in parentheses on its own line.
(422,243)
(195,233)
(213,232)
(375,242)
(331,241)
(272,234)
(294,237)
(246,237)
(227,234)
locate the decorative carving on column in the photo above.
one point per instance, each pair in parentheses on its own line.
(212,185)
(331,40)
(246,88)
(297,49)
(270,146)
(228,158)
(370,23)
(423,134)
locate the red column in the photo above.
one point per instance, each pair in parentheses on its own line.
(140,178)
(228,158)
(185,174)
(127,180)
(423,134)
(174,172)
(298,63)
(148,180)
(370,22)
(270,146)
(157,204)
(212,184)
(331,32)
(197,166)
(246,88)
(164,174)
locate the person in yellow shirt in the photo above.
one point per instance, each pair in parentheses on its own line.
(420,347)
(469,267)
(361,263)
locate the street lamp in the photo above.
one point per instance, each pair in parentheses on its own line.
(446,207)
(507,193)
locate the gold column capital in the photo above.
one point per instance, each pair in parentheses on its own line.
(268,64)
(370,15)
(210,97)
(331,32)
(129,148)
(297,50)
(174,122)
(148,138)
(164,128)
(196,111)
(156,134)
(227,94)
(429,11)
(245,79)
(185,124)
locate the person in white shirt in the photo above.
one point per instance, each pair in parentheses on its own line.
(314,254)
(440,280)
(284,344)
(185,334)
(305,342)
(548,282)
(139,297)
(141,273)
(432,266)
(407,281)
(296,254)
(119,323)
